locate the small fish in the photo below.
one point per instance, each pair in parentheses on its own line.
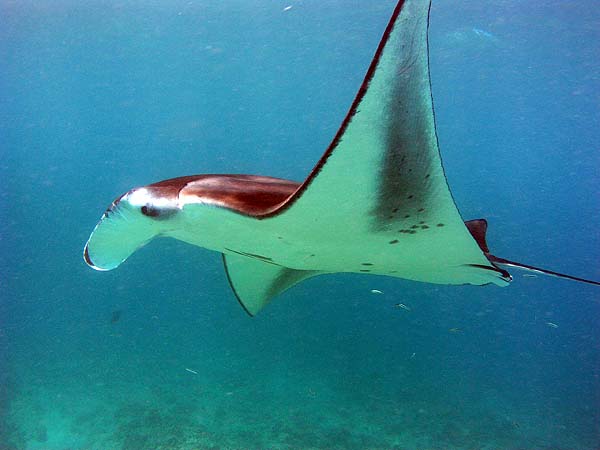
(529,275)
(455,330)
(115,316)
(402,306)
(287,8)
(191,371)
(376,291)
(483,33)
(551,324)
(412,356)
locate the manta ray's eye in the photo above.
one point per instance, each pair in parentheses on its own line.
(150,211)
(158,212)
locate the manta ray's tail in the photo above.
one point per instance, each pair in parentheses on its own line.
(505,262)
(478,230)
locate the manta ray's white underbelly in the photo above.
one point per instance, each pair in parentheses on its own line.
(442,255)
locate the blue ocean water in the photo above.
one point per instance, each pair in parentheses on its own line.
(98,97)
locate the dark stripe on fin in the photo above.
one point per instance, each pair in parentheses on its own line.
(86,257)
(505,262)
(237,297)
(503,273)
(253,255)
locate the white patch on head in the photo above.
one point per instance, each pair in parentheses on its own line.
(143,197)
(192,199)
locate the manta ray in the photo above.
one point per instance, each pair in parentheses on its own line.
(377,202)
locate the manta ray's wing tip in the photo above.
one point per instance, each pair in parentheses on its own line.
(478,229)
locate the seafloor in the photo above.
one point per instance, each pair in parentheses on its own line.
(81,409)
(153,383)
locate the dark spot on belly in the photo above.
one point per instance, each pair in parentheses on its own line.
(412,231)
(421,209)
(440,224)
(421,222)
(414,227)
(424,227)
(427,176)
(395,241)
(407,216)
(366,264)
(395,210)
(409,197)
(364,270)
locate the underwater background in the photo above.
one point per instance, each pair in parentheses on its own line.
(98,97)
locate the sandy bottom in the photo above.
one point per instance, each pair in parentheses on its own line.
(81,406)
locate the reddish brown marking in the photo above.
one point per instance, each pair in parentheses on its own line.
(163,189)
(246,194)
(478,228)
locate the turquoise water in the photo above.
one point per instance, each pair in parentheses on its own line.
(98,97)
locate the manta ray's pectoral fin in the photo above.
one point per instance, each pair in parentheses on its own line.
(256,281)
(478,229)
